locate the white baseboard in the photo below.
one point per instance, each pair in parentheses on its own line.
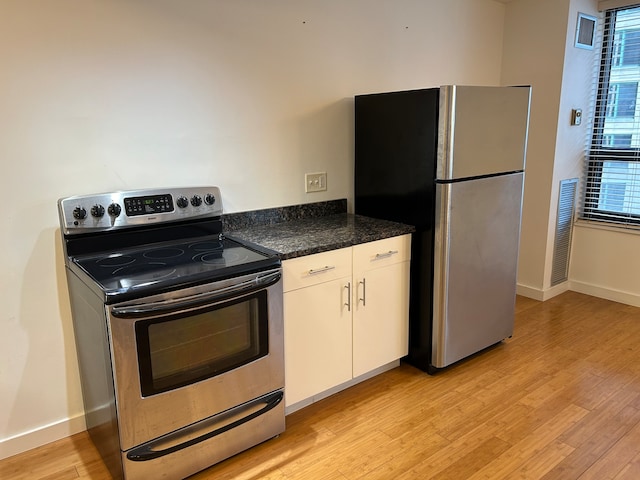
(627,298)
(41,436)
(542,295)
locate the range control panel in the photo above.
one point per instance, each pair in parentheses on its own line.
(108,211)
(148,205)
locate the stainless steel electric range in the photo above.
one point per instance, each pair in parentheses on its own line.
(179,330)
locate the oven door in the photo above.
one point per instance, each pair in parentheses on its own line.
(184,356)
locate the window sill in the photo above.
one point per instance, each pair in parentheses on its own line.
(613,227)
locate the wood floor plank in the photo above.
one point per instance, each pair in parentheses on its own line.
(609,465)
(69,473)
(468,464)
(55,460)
(560,400)
(631,471)
(515,457)
(616,412)
(543,461)
(588,450)
(417,443)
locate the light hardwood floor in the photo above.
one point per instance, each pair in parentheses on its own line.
(560,400)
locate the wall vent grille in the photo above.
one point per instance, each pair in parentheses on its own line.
(564,224)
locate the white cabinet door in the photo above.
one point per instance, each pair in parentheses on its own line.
(381,303)
(317,339)
(317,323)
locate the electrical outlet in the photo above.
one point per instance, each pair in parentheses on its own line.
(315,182)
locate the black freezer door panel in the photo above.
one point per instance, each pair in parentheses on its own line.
(395,151)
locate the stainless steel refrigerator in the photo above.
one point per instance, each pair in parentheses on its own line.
(449,160)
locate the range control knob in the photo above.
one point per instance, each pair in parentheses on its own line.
(79,213)
(196,200)
(209,199)
(97,211)
(114,209)
(182,202)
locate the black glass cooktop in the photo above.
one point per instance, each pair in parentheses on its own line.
(172,264)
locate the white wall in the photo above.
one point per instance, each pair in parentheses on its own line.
(534,54)
(98,95)
(605,263)
(540,47)
(577,90)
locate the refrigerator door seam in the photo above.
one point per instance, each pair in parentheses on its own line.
(478,177)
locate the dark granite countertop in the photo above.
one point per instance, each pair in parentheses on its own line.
(305,236)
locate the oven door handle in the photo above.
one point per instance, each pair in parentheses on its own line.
(193,435)
(197,300)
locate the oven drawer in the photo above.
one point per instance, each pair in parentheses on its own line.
(197,453)
(315,269)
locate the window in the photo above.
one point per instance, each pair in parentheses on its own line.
(624,47)
(612,186)
(619,140)
(621,101)
(612,197)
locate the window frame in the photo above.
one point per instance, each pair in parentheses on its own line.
(598,153)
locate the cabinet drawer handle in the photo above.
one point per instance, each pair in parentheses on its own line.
(315,271)
(385,254)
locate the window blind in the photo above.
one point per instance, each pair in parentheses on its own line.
(611,4)
(612,179)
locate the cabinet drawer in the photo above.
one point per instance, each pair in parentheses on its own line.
(381,252)
(314,269)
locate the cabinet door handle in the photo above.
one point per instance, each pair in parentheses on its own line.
(363,282)
(385,254)
(348,304)
(315,271)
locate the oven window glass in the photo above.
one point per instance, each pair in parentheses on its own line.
(182,350)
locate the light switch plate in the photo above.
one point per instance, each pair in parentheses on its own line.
(315,182)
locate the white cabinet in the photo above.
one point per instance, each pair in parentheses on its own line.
(317,323)
(345,314)
(381,302)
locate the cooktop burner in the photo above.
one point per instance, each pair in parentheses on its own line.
(166,265)
(136,243)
